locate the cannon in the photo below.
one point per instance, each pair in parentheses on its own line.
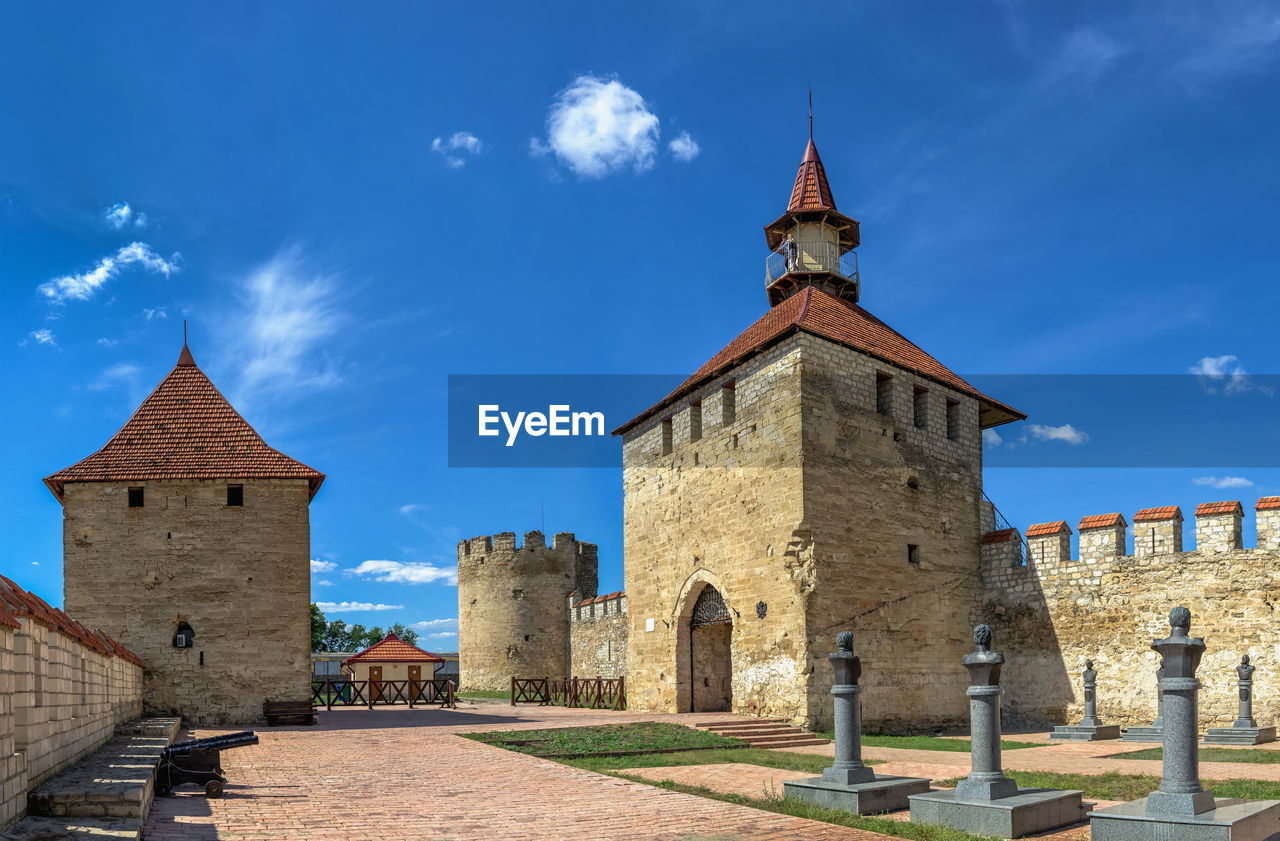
(198,761)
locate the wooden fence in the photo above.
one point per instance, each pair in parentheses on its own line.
(596,693)
(371,693)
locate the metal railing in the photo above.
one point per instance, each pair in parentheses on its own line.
(810,256)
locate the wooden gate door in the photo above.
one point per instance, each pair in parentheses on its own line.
(375,684)
(415,682)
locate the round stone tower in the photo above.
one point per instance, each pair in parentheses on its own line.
(512,614)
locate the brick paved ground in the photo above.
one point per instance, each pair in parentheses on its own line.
(399,775)
(393,774)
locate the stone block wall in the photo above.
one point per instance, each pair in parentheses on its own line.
(63,690)
(1055,611)
(598,636)
(238,575)
(511,605)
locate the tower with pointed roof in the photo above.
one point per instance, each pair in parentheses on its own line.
(187,538)
(820,473)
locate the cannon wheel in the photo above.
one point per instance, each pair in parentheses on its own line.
(164,791)
(213,788)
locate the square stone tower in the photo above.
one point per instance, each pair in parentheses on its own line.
(820,473)
(187,538)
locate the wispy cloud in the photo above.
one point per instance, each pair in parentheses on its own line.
(599,126)
(105,342)
(355,607)
(152,313)
(81,287)
(399,572)
(435,625)
(120,215)
(991,438)
(1225,375)
(1216,38)
(43,336)
(439,635)
(457,148)
(1066,434)
(290,312)
(125,374)
(684,148)
(322,566)
(324,582)
(1223,481)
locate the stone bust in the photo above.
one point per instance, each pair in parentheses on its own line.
(1089,674)
(1180,621)
(844,641)
(1245,669)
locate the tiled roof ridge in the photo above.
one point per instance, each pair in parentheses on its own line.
(16,602)
(1098,521)
(400,651)
(1159,512)
(604,598)
(1229,506)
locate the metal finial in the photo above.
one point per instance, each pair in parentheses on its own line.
(811,112)
(184,331)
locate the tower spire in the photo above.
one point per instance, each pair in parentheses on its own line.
(185,358)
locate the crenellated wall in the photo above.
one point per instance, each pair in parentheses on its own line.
(598,636)
(511,605)
(63,690)
(1051,610)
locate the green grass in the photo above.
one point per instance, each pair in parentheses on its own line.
(1261,757)
(929,743)
(485,693)
(1116,786)
(807,763)
(800,809)
(608,738)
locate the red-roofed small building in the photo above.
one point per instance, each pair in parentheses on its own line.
(393,659)
(820,472)
(186,537)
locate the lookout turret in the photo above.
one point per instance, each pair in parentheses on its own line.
(812,243)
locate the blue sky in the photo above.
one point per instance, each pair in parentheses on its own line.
(349,203)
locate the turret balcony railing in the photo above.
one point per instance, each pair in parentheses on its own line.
(810,256)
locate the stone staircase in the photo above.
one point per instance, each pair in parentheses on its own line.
(764,732)
(104,796)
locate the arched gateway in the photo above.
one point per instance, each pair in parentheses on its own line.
(710,656)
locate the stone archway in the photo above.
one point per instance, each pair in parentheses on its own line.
(710,653)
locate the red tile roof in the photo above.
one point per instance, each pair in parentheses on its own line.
(15,602)
(811,190)
(1231,506)
(1269,503)
(1000,536)
(822,314)
(392,649)
(1097,521)
(1042,529)
(6,619)
(185,429)
(606,597)
(1163,512)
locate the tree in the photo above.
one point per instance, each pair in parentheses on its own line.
(338,636)
(318,627)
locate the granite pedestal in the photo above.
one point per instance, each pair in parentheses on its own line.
(1143,734)
(1239,735)
(1228,820)
(1090,728)
(849,784)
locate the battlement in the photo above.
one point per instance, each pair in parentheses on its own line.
(503,546)
(1156,531)
(610,604)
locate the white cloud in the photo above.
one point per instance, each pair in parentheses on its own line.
(1225,373)
(457,147)
(441,635)
(154,313)
(105,342)
(991,438)
(81,287)
(1066,433)
(1223,481)
(123,374)
(355,607)
(684,147)
(324,583)
(43,336)
(405,573)
(597,126)
(410,509)
(35,563)
(435,624)
(322,566)
(291,313)
(120,215)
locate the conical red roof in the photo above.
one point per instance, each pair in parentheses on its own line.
(811,190)
(822,314)
(185,429)
(392,649)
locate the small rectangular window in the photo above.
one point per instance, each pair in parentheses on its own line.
(728,403)
(920,407)
(884,394)
(666,437)
(235,495)
(135,497)
(695,421)
(913,554)
(953,419)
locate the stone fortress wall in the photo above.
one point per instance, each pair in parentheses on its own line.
(1052,611)
(238,575)
(512,619)
(598,636)
(63,690)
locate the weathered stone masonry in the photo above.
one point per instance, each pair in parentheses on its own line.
(598,636)
(63,690)
(1054,611)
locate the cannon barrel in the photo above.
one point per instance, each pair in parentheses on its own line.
(231,740)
